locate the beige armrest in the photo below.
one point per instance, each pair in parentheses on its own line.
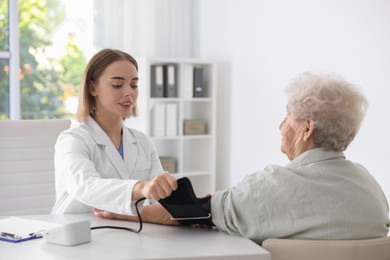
(367,249)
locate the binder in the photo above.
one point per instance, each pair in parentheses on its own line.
(188,81)
(157,80)
(158,126)
(171,119)
(170,80)
(198,82)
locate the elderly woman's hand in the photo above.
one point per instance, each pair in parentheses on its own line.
(110,215)
(156,214)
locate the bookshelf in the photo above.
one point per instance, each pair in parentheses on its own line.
(181,122)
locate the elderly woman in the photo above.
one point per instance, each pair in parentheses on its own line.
(319,194)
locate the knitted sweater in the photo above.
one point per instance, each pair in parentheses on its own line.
(318,195)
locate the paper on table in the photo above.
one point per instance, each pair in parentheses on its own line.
(22,227)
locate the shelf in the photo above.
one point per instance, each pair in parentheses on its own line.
(192,173)
(184,137)
(169,97)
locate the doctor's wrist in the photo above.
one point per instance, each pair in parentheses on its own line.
(137,190)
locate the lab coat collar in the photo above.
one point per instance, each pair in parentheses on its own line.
(123,166)
(130,149)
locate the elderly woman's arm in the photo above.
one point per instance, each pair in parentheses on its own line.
(239,210)
(156,214)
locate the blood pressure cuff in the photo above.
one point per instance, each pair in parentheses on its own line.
(185,207)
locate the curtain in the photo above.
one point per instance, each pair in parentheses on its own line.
(154,28)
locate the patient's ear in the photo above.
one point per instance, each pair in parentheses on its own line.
(309,130)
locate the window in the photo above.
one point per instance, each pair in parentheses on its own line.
(43,82)
(4,59)
(45,45)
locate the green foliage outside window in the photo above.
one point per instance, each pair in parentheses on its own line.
(46,82)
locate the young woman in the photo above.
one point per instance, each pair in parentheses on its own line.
(101,163)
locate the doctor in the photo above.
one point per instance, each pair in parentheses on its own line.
(101,163)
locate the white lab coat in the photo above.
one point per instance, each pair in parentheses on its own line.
(90,172)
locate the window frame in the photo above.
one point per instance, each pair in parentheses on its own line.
(13,57)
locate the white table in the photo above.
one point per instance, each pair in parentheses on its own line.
(154,242)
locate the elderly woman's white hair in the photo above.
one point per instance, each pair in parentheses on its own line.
(336,106)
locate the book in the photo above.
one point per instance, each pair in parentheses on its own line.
(171,119)
(198,82)
(158,120)
(170,80)
(157,80)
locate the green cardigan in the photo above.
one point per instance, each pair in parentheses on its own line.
(318,195)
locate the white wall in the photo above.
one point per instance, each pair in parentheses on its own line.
(145,27)
(262,44)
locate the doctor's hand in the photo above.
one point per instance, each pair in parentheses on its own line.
(159,187)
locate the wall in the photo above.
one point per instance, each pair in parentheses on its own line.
(261,45)
(145,27)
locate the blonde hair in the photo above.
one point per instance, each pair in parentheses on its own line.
(98,63)
(336,106)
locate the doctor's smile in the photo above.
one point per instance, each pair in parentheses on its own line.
(127,105)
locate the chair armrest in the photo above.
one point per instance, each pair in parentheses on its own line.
(289,249)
